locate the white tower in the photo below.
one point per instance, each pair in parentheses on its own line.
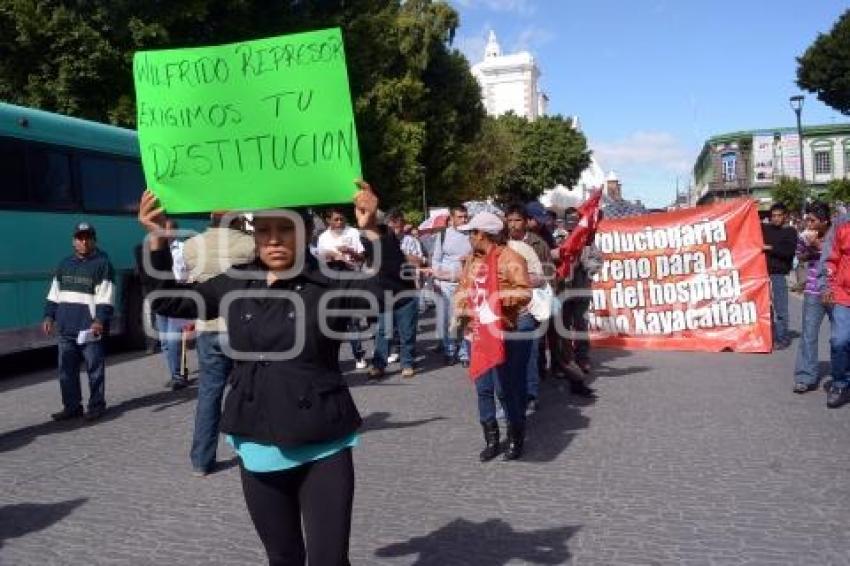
(508,82)
(493,49)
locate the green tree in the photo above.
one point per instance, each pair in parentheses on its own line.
(789,191)
(549,152)
(416,103)
(824,68)
(488,162)
(837,191)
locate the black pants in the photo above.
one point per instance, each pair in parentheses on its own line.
(575,319)
(318,496)
(565,349)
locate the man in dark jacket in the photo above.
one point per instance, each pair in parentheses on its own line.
(78,310)
(780,245)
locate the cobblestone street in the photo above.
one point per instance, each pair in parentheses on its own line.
(684,459)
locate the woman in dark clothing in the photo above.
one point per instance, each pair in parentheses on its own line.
(288,413)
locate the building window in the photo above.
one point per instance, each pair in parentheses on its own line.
(823,162)
(729,161)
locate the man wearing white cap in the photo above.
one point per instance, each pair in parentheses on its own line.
(486,236)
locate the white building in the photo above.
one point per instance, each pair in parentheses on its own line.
(509,83)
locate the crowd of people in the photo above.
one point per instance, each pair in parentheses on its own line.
(288,413)
(270,304)
(820,249)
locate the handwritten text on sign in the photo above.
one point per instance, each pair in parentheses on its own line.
(251,125)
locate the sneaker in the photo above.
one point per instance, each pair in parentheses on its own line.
(361,364)
(66,414)
(805,387)
(838,395)
(178,384)
(376,373)
(198,473)
(408,372)
(94,414)
(392,358)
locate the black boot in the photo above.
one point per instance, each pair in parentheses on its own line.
(516,439)
(491,439)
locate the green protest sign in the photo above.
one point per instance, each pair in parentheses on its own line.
(259,124)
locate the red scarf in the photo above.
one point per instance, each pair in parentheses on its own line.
(570,249)
(488,344)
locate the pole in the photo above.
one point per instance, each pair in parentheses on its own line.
(424,199)
(421,169)
(799,111)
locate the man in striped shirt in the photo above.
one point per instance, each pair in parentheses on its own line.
(78,311)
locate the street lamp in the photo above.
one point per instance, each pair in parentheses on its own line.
(797,106)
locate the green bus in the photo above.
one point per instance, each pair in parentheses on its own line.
(57,171)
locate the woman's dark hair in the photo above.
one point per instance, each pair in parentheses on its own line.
(819,210)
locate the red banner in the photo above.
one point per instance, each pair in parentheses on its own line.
(691,279)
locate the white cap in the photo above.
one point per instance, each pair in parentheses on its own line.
(485,222)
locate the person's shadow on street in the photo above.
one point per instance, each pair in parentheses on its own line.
(554,426)
(15,439)
(493,543)
(20,519)
(380,420)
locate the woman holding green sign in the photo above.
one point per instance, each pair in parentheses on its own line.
(289,413)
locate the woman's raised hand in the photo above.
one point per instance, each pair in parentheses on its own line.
(366,206)
(151,215)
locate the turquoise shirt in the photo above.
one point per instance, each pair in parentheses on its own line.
(258,457)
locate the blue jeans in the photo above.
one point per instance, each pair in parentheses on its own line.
(451,344)
(806,370)
(357,349)
(402,319)
(527,322)
(779,300)
(71,356)
(215,367)
(511,379)
(170,334)
(838,344)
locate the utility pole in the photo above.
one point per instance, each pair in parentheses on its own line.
(797,106)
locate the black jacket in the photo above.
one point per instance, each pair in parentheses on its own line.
(303,399)
(783,240)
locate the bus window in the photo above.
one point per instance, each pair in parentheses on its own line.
(50,177)
(99,183)
(13,166)
(131,183)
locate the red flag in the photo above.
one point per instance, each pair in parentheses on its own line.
(488,344)
(571,247)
